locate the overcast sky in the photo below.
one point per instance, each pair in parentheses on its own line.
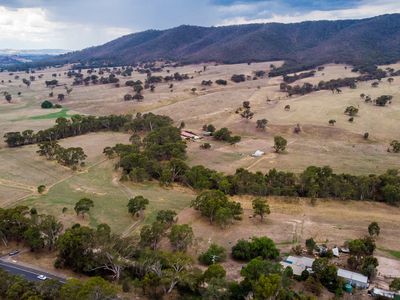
(76,24)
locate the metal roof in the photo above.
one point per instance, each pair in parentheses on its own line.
(352,276)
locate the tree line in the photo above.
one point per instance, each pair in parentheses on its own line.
(161,156)
(80,124)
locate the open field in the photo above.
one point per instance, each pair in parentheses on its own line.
(110,199)
(292,220)
(340,146)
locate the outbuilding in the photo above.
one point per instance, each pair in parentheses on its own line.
(355,279)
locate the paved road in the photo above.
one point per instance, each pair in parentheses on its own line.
(27,273)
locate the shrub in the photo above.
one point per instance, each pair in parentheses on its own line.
(214,254)
(46,104)
(41,188)
(258,246)
(221,82)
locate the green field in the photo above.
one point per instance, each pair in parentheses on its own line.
(63,113)
(109,196)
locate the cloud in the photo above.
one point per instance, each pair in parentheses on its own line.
(364,10)
(75,24)
(27,24)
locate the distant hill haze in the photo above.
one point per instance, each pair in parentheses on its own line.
(372,40)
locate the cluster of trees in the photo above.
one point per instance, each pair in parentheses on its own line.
(161,155)
(71,157)
(238,78)
(216,206)
(225,135)
(290,79)
(290,67)
(333,85)
(21,224)
(221,82)
(383,100)
(16,287)
(158,156)
(80,124)
(361,253)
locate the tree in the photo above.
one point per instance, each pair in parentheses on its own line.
(395,146)
(326,273)
(257,267)
(267,287)
(279,144)
(93,288)
(395,284)
(137,205)
(260,208)
(214,254)
(383,100)
(261,124)
(46,104)
(33,238)
(390,80)
(150,235)
(351,111)
(8,97)
(214,271)
(310,245)
(332,122)
(374,229)
(258,246)
(166,217)
(75,249)
(50,230)
(368,266)
(83,206)
(209,202)
(223,216)
(181,236)
(41,188)
(61,97)
(247,113)
(176,270)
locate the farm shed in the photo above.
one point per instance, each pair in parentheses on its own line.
(375,292)
(189,135)
(355,279)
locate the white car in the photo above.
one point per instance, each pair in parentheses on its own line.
(41,277)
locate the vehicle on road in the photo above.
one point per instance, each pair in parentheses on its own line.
(41,277)
(14,252)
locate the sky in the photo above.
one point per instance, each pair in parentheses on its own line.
(77,24)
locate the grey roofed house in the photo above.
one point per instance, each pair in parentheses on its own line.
(355,279)
(301,263)
(298,264)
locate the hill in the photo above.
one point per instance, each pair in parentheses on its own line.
(362,41)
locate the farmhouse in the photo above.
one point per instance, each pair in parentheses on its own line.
(301,263)
(298,264)
(189,135)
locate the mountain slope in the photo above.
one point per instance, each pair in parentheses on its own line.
(351,41)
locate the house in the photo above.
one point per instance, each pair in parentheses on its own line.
(189,135)
(355,279)
(298,264)
(301,263)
